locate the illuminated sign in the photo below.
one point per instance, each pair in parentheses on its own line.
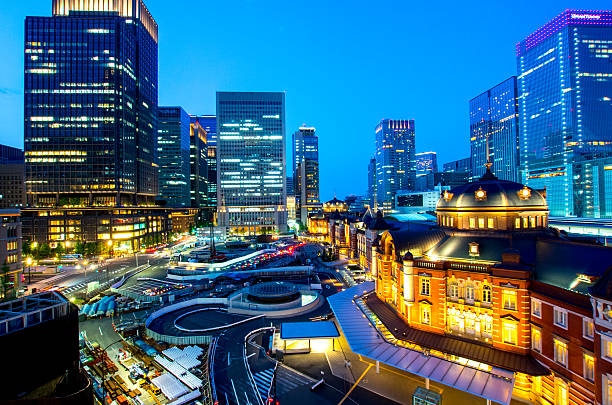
(586,16)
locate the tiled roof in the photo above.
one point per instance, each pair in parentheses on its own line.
(453,345)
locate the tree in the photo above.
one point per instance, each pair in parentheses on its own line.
(59,249)
(26,247)
(43,251)
(79,247)
(90,248)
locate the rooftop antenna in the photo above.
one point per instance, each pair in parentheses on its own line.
(488,164)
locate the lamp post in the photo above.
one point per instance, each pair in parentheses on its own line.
(109,243)
(29,263)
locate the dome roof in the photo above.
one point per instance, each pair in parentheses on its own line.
(491,192)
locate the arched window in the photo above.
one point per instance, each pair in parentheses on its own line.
(454,290)
(486,293)
(469,292)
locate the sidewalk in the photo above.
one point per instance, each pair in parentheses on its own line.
(390,383)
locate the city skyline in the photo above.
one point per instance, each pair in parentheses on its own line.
(217,70)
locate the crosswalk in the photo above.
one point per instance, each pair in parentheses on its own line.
(263,381)
(74,288)
(286,380)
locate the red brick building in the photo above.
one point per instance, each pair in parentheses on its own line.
(492,286)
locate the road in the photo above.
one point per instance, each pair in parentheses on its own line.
(75,280)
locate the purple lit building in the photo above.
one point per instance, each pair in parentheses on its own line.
(565,107)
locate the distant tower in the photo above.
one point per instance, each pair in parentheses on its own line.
(395,160)
(306,171)
(251,192)
(494,116)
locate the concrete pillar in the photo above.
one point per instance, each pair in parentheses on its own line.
(427,383)
(377,367)
(408,280)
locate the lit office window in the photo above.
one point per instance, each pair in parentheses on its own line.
(589,367)
(536,339)
(425,285)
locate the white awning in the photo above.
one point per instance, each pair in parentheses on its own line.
(365,340)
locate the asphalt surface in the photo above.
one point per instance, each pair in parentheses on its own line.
(75,280)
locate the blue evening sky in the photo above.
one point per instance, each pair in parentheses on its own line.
(344,65)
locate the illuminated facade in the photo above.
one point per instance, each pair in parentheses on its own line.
(10,251)
(90,105)
(564,78)
(426,162)
(209,124)
(173,154)
(493,287)
(395,160)
(494,125)
(251,186)
(306,172)
(198,158)
(115,230)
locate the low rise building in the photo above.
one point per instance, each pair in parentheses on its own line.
(11,268)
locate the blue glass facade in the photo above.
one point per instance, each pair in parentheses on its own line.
(494,124)
(458,166)
(209,123)
(198,158)
(305,171)
(395,160)
(90,105)
(173,154)
(564,84)
(251,187)
(372,182)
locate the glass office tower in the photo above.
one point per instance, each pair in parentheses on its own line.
(494,124)
(209,124)
(395,160)
(306,171)
(251,187)
(458,166)
(198,158)
(173,154)
(565,91)
(90,105)
(372,183)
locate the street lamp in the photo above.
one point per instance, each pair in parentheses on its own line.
(109,243)
(29,263)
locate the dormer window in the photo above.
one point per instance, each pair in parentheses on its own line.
(474,249)
(480,194)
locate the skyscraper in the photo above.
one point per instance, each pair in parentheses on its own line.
(564,84)
(395,160)
(251,189)
(209,124)
(198,158)
(173,154)
(91,104)
(306,171)
(426,162)
(90,126)
(372,182)
(494,124)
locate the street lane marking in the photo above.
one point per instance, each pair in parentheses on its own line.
(354,385)
(236,395)
(100,329)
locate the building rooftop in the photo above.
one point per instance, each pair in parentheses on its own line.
(31,310)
